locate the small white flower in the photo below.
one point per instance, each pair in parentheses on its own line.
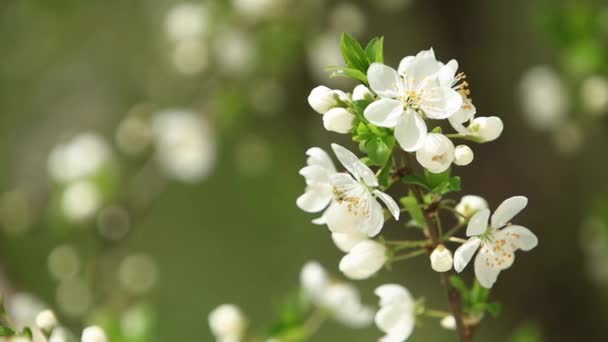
(594,95)
(61,334)
(364,260)
(235,51)
(80,157)
(463,155)
(94,334)
(80,201)
(322,99)
(469,205)
(497,246)
(227,323)
(46,320)
(411,94)
(346,241)
(486,128)
(352,197)
(441,259)
(362,92)
(436,153)
(448,322)
(544,98)
(339,120)
(344,303)
(396,316)
(256,9)
(314,280)
(187,21)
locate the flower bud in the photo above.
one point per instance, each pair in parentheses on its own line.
(448,322)
(487,128)
(94,334)
(436,153)
(46,321)
(314,279)
(441,259)
(361,92)
(469,205)
(321,99)
(364,260)
(227,322)
(338,120)
(346,241)
(463,155)
(594,95)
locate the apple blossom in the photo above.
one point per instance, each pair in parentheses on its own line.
(436,153)
(441,259)
(94,334)
(227,323)
(463,155)
(364,260)
(486,128)
(497,241)
(594,95)
(544,98)
(346,241)
(361,92)
(322,99)
(396,316)
(339,120)
(469,205)
(46,321)
(448,322)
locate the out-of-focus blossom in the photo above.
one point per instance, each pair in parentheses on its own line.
(324,51)
(138,273)
(568,138)
(185,145)
(134,134)
(187,21)
(347,17)
(46,321)
(544,98)
(80,157)
(234,52)
(63,262)
(190,56)
(94,334)
(227,323)
(257,9)
(396,316)
(80,201)
(594,95)
(113,222)
(364,260)
(74,296)
(448,322)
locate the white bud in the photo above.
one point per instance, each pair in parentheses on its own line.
(469,205)
(338,120)
(594,95)
(94,334)
(227,322)
(441,259)
(361,92)
(321,99)
(463,155)
(436,153)
(313,279)
(487,128)
(448,322)
(364,260)
(346,241)
(46,321)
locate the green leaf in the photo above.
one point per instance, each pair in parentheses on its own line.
(375,50)
(494,309)
(353,54)
(6,331)
(385,173)
(416,180)
(348,73)
(412,206)
(436,179)
(378,151)
(451,185)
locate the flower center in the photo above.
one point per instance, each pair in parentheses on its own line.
(353,198)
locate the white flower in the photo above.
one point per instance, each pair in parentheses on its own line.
(256,9)
(353,197)
(364,260)
(469,205)
(436,153)
(409,95)
(227,323)
(355,204)
(94,334)
(46,320)
(594,94)
(448,322)
(344,303)
(80,201)
(78,158)
(61,334)
(441,259)
(463,155)
(322,99)
(185,146)
(314,280)
(544,98)
(346,241)
(235,51)
(338,120)
(361,92)
(396,316)
(497,246)
(486,128)
(187,21)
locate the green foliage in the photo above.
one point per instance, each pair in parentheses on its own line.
(410,203)
(376,142)
(527,332)
(475,299)
(357,58)
(289,325)
(437,183)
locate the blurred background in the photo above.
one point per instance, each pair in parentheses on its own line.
(150,154)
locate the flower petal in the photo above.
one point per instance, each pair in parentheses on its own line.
(394,293)
(317,156)
(346,241)
(447,73)
(410,131)
(319,221)
(405,64)
(384,112)
(374,222)
(464,253)
(383,80)
(315,198)
(441,102)
(355,166)
(390,203)
(479,222)
(519,237)
(507,210)
(315,174)
(484,271)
